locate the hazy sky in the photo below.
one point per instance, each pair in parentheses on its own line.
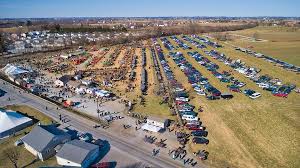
(127,8)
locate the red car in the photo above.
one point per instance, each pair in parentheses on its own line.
(194,127)
(235,89)
(281,95)
(178,102)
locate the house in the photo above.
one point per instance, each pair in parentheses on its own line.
(155,124)
(42,140)
(62,81)
(77,153)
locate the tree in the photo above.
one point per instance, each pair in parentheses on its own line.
(1,43)
(57,27)
(13,155)
(28,23)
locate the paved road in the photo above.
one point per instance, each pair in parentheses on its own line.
(141,153)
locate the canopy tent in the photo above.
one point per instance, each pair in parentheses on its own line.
(13,70)
(150,127)
(11,122)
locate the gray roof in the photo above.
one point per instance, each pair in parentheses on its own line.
(41,136)
(65,79)
(76,151)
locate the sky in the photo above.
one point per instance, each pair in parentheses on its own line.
(143,8)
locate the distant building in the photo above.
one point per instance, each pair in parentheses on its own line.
(42,140)
(77,153)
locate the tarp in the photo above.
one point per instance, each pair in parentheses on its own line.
(11,122)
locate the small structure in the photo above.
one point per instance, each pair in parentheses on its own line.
(77,153)
(62,81)
(12,122)
(155,124)
(42,140)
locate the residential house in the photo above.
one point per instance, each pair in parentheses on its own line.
(62,81)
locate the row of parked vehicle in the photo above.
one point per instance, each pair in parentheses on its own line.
(144,60)
(180,43)
(194,42)
(144,83)
(199,82)
(274,85)
(185,109)
(275,61)
(207,41)
(224,76)
(167,44)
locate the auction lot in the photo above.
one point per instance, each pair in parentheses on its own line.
(242,131)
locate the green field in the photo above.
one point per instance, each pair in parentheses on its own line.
(245,132)
(279,42)
(26,159)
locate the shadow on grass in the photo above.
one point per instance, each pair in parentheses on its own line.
(29,164)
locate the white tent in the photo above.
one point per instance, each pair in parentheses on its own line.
(13,70)
(12,122)
(152,128)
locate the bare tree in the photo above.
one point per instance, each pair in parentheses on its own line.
(13,155)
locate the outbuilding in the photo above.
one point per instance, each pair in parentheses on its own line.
(42,140)
(77,153)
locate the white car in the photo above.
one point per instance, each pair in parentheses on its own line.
(182,99)
(255,95)
(201,93)
(263,85)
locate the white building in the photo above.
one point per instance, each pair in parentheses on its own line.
(12,122)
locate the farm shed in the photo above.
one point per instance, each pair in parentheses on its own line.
(77,153)
(42,140)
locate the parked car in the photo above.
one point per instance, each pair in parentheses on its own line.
(227,96)
(200,140)
(212,97)
(255,95)
(199,133)
(194,127)
(280,94)
(182,99)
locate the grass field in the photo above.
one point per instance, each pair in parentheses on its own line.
(279,42)
(26,158)
(245,132)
